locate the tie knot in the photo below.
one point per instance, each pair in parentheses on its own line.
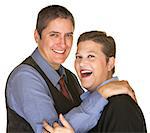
(61,80)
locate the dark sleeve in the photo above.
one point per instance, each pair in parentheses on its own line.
(122,114)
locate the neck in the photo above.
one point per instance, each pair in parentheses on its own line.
(53,65)
(107,80)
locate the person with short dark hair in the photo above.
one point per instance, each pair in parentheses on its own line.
(95,66)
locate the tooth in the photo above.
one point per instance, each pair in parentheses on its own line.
(86,71)
(59,51)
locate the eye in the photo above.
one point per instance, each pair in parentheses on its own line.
(54,35)
(91,56)
(69,35)
(78,57)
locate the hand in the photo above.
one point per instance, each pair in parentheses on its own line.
(57,128)
(115,88)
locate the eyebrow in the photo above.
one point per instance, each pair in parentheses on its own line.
(53,32)
(91,51)
(87,51)
(70,33)
(59,32)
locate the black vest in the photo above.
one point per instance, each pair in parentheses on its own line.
(17,124)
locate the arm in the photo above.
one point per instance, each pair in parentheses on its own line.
(28,96)
(117,87)
(85,116)
(29,86)
(92,113)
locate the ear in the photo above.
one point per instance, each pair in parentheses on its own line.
(111,63)
(36,36)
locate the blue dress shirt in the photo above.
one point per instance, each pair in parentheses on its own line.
(29,96)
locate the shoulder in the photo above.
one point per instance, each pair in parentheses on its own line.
(24,77)
(124,113)
(121,100)
(23,70)
(123,103)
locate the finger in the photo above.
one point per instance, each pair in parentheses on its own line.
(48,127)
(61,130)
(44,131)
(132,94)
(64,121)
(55,124)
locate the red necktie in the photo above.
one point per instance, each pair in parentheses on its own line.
(63,87)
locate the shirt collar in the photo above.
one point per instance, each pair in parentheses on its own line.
(107,81)
(47,68)
(85,94)
(62,72)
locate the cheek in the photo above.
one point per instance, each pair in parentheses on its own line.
(77,68)
(49,42)
(76,65)
(68,49)
(69,42)
(99,68)
(43,44)
(69,45)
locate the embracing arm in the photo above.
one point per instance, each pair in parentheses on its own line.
(29,96)
(117,87)
(108,90)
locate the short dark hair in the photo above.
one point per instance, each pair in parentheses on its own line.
(108,43)
(50,13)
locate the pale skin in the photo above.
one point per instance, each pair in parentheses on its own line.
(56,41)
(55,44)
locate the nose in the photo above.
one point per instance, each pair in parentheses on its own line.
(62,42)
(83,62)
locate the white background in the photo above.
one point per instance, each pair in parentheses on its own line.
(127,21)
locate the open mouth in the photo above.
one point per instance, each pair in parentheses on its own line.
(85,73)
(58,51)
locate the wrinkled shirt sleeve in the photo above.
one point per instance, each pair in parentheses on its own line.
(85,117)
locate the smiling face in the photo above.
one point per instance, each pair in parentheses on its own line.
(91,64)
(56,41)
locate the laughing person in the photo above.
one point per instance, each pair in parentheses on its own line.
(94,64)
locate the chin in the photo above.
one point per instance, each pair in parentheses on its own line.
(61,61)
(90,89)
(87,87)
